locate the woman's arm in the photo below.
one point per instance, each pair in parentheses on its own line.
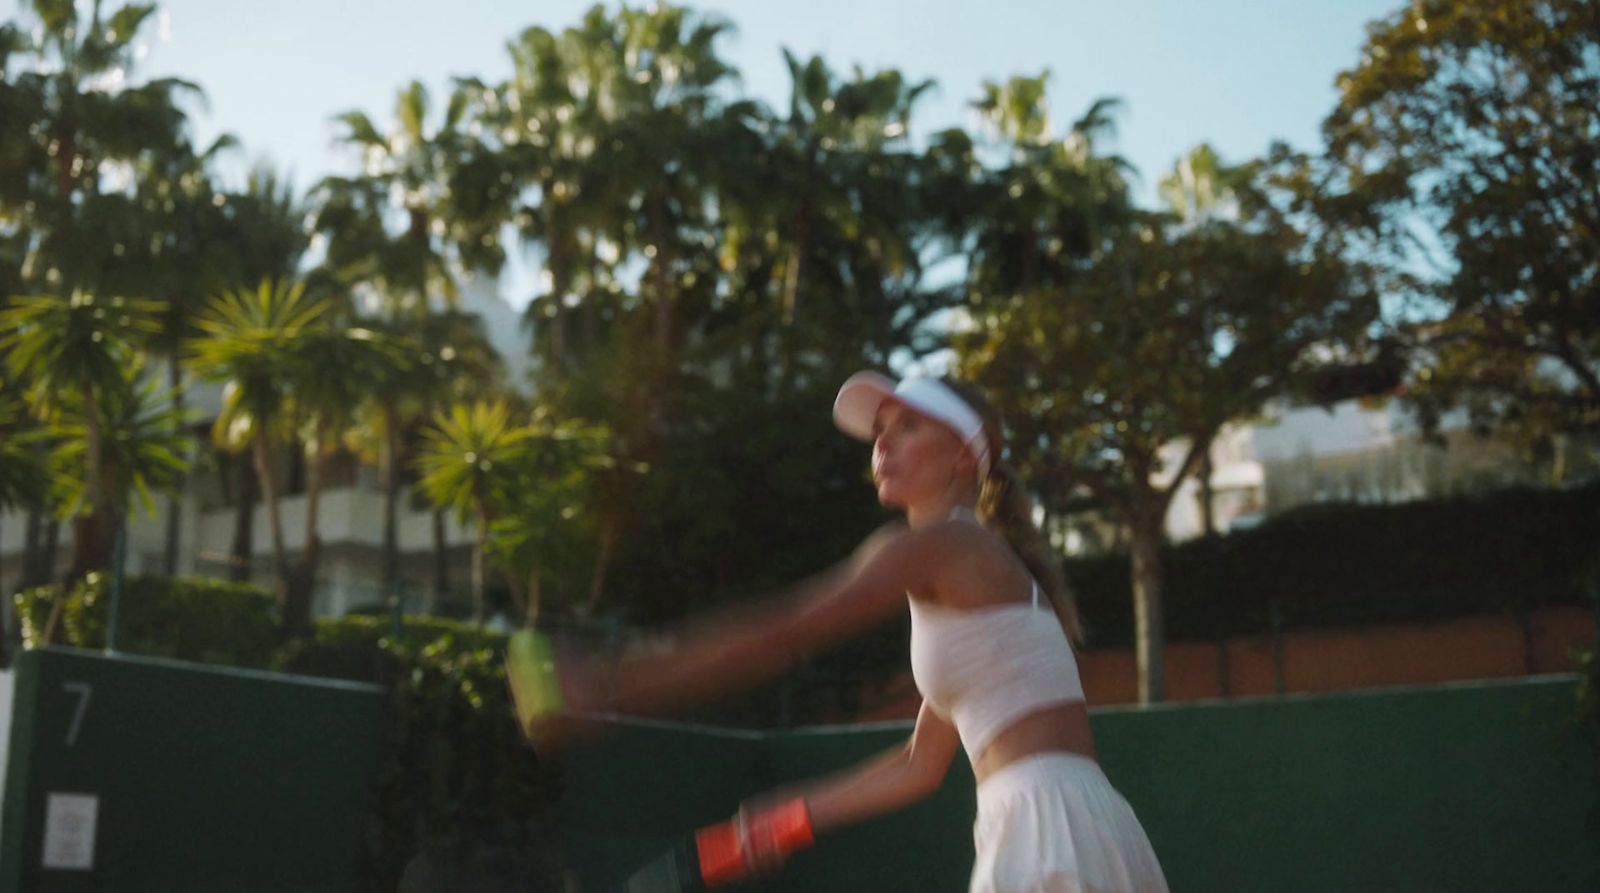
(773,825)
(744,646)
(890,781)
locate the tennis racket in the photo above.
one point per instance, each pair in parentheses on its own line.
(534,678)
(706,860)
(753,842)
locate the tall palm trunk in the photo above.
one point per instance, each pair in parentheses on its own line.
(34,566)
(560,283)
(480,557)
(169,561)
(92,533)
(269,497)
(661,274)
(242,553)
(389,570)
(52,547)
(302,584)
(441,562)
(792,269)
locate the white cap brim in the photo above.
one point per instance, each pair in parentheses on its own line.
(855,409)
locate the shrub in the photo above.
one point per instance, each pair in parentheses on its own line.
(208,621)
(1348,565)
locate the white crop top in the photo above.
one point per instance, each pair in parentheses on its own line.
(984,668)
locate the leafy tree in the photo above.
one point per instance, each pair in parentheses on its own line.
(548,530)
(1116,380)
(1464,149)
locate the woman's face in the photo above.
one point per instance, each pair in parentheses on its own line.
(914,458)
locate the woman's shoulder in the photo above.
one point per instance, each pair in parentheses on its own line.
(942,551)
(938,538)
(975,566)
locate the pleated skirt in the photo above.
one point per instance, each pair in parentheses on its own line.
(1052,823)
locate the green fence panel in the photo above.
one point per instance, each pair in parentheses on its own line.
(642,787)
(204,779)
(237,782)
(926,847)
(1474,787)
(1462,788)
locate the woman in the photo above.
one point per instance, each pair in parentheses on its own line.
(989,651)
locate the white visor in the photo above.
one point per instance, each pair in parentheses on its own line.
(856,409)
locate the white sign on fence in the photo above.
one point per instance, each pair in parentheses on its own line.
(69,824)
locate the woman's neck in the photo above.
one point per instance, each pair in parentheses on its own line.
(935,511)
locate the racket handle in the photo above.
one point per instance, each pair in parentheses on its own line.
(721,858)
(728,854)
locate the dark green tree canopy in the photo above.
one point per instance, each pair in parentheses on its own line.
(1466,142)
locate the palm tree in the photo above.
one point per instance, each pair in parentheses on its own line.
(546,145)
(333,370)
(144,450)
(22,467)
(1200,187)
(78,134)
(44,466)
(87,125)
(406,171)
(262,236)
(252,341)
(1058,199)
(464,459)
(75,355)
(23,471)
(182,263)
(1201,190)
(648,85)
(454,363)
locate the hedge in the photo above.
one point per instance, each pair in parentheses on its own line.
(186,618)
(1349,565)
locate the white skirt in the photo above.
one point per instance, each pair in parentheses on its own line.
(1052,823)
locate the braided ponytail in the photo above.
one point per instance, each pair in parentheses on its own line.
(1005,507)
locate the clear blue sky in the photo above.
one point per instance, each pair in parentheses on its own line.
(1235,73)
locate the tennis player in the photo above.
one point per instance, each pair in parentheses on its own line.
(992,626)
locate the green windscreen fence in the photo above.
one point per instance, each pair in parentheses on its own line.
(142,775)
(1482,787)
(133,775)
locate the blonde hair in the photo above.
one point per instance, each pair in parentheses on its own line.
(1005,507)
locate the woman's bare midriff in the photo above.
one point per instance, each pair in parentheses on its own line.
(1058,729)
